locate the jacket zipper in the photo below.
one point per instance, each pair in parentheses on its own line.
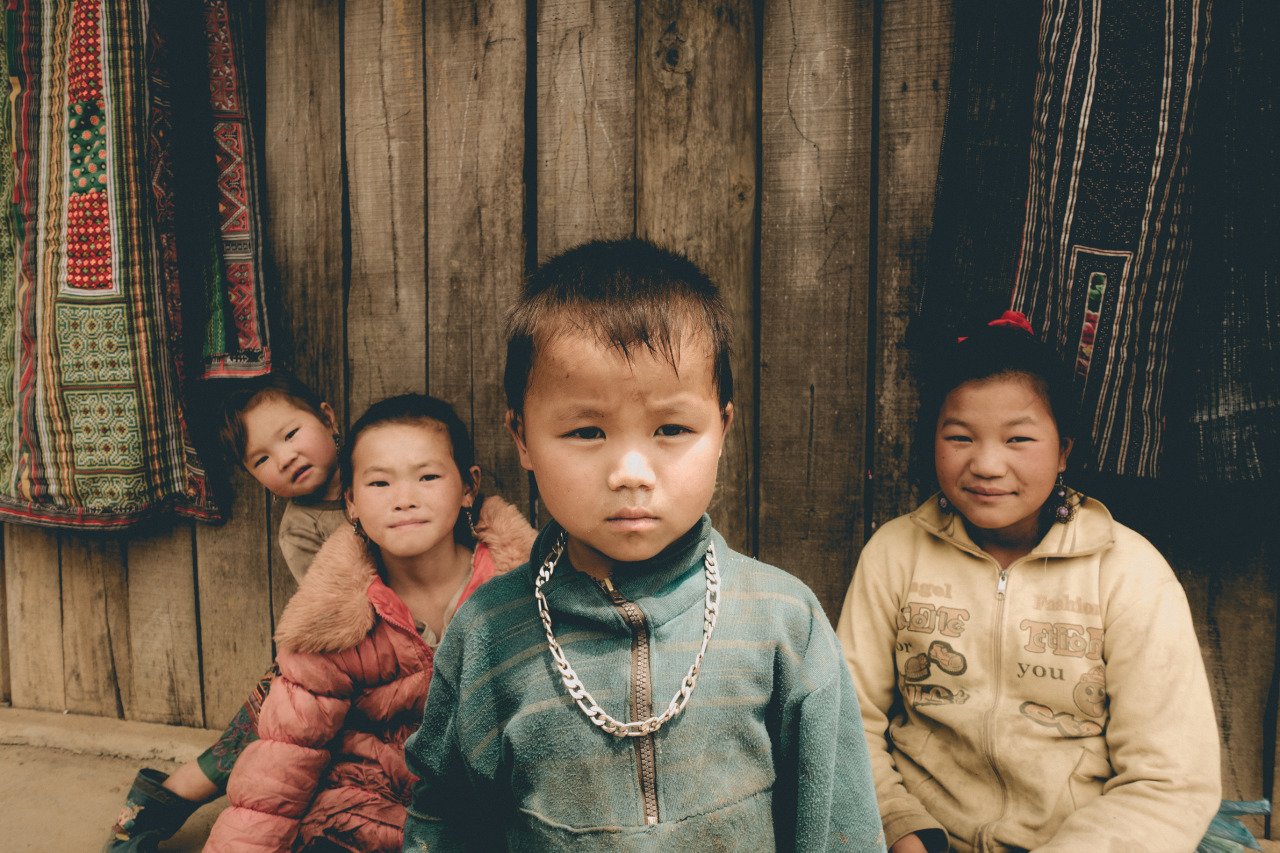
(984,834)
(641,697)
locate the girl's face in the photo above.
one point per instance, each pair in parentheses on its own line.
(998,454)
(289,450)
(406,490)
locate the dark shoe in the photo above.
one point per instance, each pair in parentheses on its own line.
(151,814)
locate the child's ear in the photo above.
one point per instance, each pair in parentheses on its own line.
(515,426)
(726,415)
(474,488)
(726,421)
(330,419)
(352,515)
(1067,445)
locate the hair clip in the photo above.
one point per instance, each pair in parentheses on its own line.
(1010,319)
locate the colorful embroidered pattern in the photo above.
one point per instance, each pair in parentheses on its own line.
(92,339)
(97,436)
(1092,315)
(104,430)
(112,491)
(88,226)
(238,215)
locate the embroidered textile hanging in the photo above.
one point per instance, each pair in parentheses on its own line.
(1066,184)
(118,259)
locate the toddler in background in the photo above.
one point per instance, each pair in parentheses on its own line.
(1027,669)
(286,437)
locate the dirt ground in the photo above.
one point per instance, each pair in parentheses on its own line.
(63,778)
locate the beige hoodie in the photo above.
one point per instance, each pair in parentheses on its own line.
(1059,705)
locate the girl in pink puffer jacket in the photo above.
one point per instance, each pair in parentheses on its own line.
(355,644)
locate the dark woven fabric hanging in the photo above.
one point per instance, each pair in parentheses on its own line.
(1066,187)
(1227,346)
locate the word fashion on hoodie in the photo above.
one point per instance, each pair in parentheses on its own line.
(1066,601)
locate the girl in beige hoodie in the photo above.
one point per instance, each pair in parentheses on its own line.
(1027,669)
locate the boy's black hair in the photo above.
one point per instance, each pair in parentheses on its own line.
(626,293)
(247,393)
(415,409)
(987,353)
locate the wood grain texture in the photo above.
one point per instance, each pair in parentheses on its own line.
(586,123)
(5,693)
(95,626)
(475,217)
(385,147)
(814,267)
(915,67)
(303,143)
(234,586)
(1233,604)
(33,599)
(696,190)
(163,640)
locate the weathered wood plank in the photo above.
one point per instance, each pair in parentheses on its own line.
(304,190)
(95,626)
(1233,603)
(814,266)
(235,602)
(163,642)
(5,694)
(303,142)
(387,301)
(586,123)
(696,190)
(475,216)
(915,67)
(33,592)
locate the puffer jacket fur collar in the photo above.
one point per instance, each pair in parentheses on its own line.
(331,610)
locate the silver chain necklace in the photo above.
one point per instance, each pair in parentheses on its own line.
(579,694)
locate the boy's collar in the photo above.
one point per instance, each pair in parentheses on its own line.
(641,582)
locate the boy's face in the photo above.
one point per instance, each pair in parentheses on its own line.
(624,452)
(289,450)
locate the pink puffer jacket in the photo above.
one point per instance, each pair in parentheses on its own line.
(353,681)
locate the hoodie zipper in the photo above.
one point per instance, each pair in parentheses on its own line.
(984,834)
(641,697)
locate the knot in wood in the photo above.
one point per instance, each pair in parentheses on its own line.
(673,55)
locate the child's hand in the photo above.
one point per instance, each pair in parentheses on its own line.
(908,844)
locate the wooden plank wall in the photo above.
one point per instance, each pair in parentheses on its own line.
(421,157)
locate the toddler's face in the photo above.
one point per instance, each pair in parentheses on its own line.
(406,490)
(289,450)
(624,452)
(998,455)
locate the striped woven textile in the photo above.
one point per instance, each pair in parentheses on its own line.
(96,349)
(1066,184)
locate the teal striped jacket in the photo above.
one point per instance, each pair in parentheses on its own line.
(768,754)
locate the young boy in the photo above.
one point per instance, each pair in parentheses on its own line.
(286,437)
(638,685)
